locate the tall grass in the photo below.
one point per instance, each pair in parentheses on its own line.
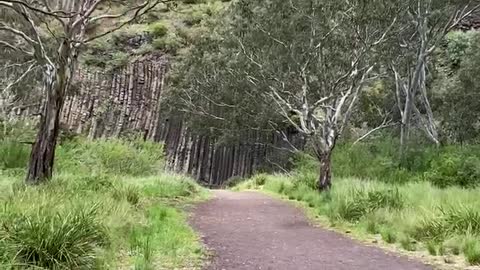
(445,166)
(109,206)
(415,215)
(110,156)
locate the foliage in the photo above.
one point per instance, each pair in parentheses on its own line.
(457,88)
(135,157)
(413,215)
(13,155)
(451,165)
(99,211)
(54,240)
(471,249)
(158,29)
(454,169)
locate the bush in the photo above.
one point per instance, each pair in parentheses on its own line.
(54,240)
(170,43)
(158,29)
(455,169)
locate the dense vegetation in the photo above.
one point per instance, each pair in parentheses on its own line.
(383,95)
(109,206)
(279,66)
(389,205)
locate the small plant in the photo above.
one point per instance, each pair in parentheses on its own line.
(441,249)
(132,194)
(54,240)
(432,248)
(158,29)
(371,226)
(388,236)
(13,154)
(260,179)
(169,43)
(471,249)
(408,244)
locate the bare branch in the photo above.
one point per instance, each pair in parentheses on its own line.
(139,11)
(385,124)
(19,79)
(48,12)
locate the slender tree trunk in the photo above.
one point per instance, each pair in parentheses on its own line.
(43,152)
(325,179)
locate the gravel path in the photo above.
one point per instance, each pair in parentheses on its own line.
(249,230)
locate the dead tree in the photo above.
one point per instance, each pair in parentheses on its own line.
(32,35)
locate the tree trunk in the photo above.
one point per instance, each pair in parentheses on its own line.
(43,151)
(325,179)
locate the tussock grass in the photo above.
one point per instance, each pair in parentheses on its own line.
(109,206)
(414,215)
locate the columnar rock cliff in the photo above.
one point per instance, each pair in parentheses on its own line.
(128,101)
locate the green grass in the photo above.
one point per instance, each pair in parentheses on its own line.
(413,216)
(109,206)
(471,250)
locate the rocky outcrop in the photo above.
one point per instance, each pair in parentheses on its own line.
(127,101)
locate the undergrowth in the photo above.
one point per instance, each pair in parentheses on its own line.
(109,206)
(415,215)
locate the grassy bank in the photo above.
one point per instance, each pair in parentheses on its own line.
(416,216)
(109,206)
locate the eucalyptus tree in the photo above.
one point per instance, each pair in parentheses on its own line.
(49,34)
(422,26)
(303,63)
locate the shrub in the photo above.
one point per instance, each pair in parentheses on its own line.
(454,169)
(158,29)
(170,43)
(54,240)
(194,17)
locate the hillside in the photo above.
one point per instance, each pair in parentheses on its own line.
(170,28)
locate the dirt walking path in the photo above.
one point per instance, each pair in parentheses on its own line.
(250,230)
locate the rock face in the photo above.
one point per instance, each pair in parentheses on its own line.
(127,101)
